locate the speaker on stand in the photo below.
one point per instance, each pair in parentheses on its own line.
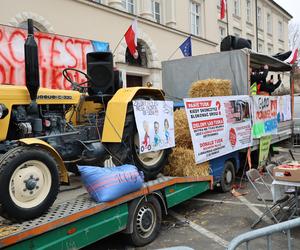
(100,69)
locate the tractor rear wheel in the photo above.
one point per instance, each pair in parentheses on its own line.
(29,182)
(127,152)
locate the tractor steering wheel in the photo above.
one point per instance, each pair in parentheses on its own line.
(77,86)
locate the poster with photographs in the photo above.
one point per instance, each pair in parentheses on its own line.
(218,125)
(155,124)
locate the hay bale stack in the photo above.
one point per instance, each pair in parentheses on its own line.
(182,163)
(210,87)
(182,132)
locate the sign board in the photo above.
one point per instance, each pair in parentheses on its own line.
(218,125)
(56,53)
(264,148)
(264,116)
(155,124)
(284,112)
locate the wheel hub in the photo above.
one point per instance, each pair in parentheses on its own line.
(228,177)
(29,184)
(145,221)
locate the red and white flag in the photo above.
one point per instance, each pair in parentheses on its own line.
(223,9)
(293,57)
(131,39)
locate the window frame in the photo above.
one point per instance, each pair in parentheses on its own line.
(259,17)
(237,8)
(280,30)
(249,11)
(195,18)
(153,11)
(128,4)
(269,23)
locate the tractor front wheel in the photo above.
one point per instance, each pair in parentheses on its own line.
(29,182)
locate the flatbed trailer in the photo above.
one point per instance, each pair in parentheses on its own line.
(73,223)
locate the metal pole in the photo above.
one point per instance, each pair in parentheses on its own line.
(256,25)
(227,18)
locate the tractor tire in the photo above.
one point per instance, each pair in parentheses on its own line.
(146,222)
(228,177)
(127,152)
(29,183)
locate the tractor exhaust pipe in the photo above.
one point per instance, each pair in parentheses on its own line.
(32,67)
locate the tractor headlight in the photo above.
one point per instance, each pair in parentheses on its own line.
(3,111)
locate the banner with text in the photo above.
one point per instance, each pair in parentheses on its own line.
(56,53)
(155,124)
(264,116)
(218,125)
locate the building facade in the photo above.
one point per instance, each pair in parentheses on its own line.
(163,25)
(266,28)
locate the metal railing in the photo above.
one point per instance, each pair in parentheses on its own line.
(266,232)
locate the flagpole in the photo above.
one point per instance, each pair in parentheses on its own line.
(173,54)
(118,45)
(227,18)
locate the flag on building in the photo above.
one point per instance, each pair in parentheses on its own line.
(293,57)
(223,9)
(186,47)
(131,39)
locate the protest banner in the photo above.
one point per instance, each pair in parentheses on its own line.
(284,108)
(155,124)
(264,116)
(218,125)
(264,147)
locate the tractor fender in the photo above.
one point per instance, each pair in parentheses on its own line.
(116,110)
(63,173)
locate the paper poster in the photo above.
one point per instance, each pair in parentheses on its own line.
(264,147)
(155,124)
(218,125)
(284,112)
(264,116)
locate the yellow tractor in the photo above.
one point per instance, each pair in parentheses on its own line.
(45,133)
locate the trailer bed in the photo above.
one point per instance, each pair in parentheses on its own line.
(75,220)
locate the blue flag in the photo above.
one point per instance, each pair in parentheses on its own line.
(186,47)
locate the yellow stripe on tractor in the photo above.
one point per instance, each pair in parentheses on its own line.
(116,111)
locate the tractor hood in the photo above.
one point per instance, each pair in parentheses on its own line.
(19,95)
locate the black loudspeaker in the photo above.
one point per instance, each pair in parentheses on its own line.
(100,69)
(283,55)
(233,42)
(118,79)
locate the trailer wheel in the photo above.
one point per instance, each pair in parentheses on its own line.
(29,182)
(146,222)
(228,176)
(151,163)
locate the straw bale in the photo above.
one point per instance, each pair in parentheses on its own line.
(182,163)
(210,87)
(182,132)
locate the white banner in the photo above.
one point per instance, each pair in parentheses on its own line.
(218,125)
(155,124)
(284,112)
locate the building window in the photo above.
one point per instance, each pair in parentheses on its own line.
(195,19)
(128,5)
(222,33)
(280,30)
(270,51)
(259,18)
(156,11)
(269,23)
(249,11)
(260,48)
(237,7)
